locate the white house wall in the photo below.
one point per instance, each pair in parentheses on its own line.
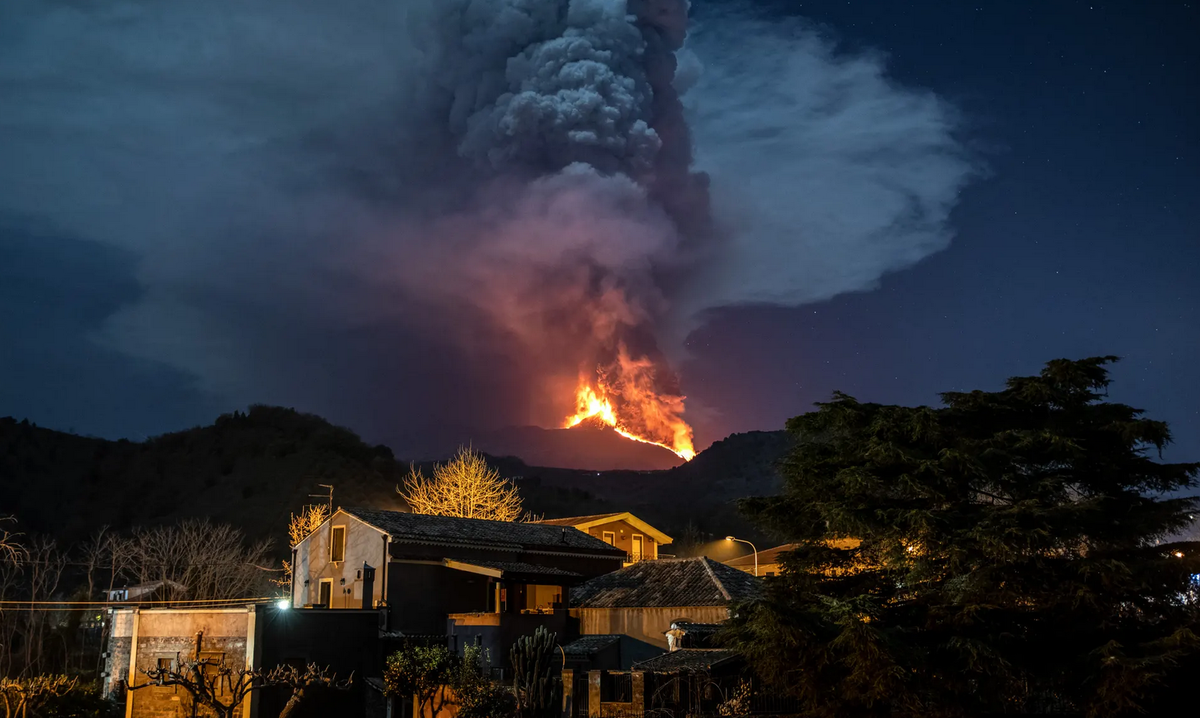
(364,544)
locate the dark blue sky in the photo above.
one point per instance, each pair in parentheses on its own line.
(1084,240)
(1081,240)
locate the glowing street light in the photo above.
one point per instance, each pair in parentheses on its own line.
(283,604)
(730,538)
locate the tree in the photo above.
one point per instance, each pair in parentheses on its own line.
(421,672)
(300,527)
(201,560)
(24,696)
(464,486)
(11,550)
(476,695)
(303,682)
(1014,555)
(217,687)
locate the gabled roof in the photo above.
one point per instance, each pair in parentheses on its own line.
(583,523)
(686,660)
(667,583)
(454,531)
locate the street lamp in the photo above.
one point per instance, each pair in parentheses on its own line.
(730,538)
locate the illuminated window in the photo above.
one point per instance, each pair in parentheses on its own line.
(337,545)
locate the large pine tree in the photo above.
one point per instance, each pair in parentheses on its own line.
(1014,555)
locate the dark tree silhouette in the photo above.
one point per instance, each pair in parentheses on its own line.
(1011,551)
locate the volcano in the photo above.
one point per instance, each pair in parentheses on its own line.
(590,446)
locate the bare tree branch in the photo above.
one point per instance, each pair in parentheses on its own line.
(466,487)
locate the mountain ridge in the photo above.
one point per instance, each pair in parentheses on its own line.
(253,469)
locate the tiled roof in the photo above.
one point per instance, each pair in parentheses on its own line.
(576,520)
(685,660)
(588,645)
(451,530)
(696,628)
(520,567)
(666,583)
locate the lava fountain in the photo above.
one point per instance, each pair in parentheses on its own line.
(624,396)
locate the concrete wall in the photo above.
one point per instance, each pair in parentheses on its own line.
(644,624)
(364,544)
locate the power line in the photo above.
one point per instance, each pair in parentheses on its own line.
(127,604)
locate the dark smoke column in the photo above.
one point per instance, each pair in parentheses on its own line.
(684,194)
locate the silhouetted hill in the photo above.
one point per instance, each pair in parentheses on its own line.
(252,469)
(249,469)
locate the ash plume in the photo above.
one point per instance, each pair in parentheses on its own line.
(458,205)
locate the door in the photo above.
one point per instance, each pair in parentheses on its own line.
(325,595)
(636,554)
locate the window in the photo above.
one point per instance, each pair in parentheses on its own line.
(610,538)
(337,544)
(212,662)
(638,547)
(325,593)
(542,598)
(164,664)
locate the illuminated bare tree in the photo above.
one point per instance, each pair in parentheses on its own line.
(300,527)
(304,523)
(11,550)
(23,696)
(464,486)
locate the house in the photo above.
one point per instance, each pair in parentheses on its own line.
(477,581)
(638,539)
(161,590)
(644,600)
(768,561)
(248,636)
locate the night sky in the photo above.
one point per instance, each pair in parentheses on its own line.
(1083,241)
(1077,237)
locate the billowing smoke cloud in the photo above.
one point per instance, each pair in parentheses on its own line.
(458,204)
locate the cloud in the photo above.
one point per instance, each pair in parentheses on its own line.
(300,185)
(826,173)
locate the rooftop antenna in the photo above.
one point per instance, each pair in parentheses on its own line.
(328,497)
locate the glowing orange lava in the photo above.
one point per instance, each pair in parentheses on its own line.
(594,403)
